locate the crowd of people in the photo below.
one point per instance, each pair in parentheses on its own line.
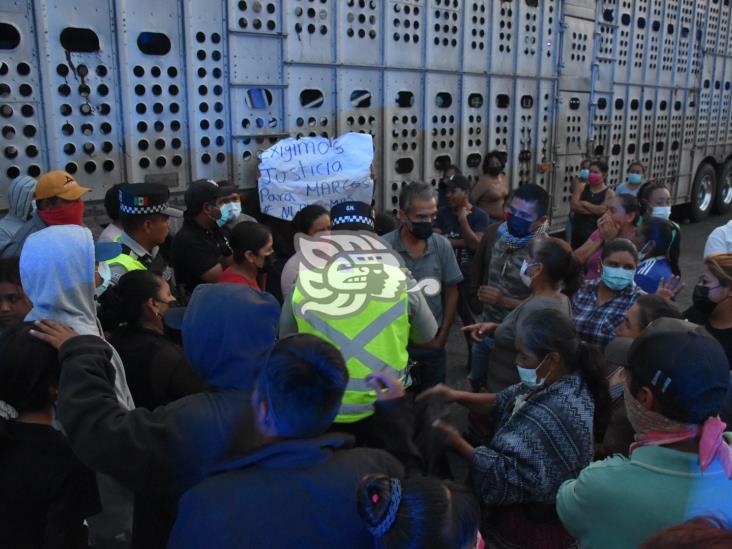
(255,382)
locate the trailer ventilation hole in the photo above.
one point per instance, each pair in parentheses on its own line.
(9,37)
(311,99)
(79,40)
(153,43)
(404,165)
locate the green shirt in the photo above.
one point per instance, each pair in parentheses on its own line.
(619,502)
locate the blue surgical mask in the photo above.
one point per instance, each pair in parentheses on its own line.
(584,174)
(617,278)
(235,210)
(106,273)
(226,214)
(661,211)
(528,376)
(635,178)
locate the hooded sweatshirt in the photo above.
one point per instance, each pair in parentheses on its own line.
(217,311)
(57,272)
(160,453)
(20,198)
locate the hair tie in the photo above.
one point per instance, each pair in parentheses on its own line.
(383,527)
(7,411)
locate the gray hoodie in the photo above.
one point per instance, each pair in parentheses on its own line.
(57,273)
(20,198)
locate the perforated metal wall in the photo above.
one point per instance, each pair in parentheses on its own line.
(174,90)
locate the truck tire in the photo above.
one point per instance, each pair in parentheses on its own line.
(702,192)
(723,196)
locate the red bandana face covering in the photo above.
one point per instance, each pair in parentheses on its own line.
(68,214)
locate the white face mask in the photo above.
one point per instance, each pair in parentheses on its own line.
(661,211)
(106,273)
(525,278)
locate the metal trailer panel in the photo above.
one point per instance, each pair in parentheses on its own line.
(153,89)
(443,42)
(567,166)
(501,119)
(545,123)
(405,33)
(258,18)
(639,32)
(208,92)
(503,38)
(360,32)
(670,37)
(474,125)
(618,159)
(477,24)
(309,31)
(683,56)
(360,98)
(21,100)
(254,60)
(576,64)
(441,125)
(403,130)
(310,101)
(574,129)
(607,33)
(522,152)
(82,106)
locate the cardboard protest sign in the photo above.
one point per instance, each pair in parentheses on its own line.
(295,173)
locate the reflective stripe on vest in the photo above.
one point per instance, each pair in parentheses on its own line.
(128,262)
(391,323)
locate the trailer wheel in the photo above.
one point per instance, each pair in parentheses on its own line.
(723,196)
(702,192)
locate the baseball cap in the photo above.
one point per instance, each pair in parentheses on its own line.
(352,216)
(685,367)
(59,184)
(200,192)
(146,199)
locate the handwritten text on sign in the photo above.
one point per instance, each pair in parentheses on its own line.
(315,170)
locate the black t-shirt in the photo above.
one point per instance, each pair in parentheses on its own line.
(195,251)
(583,224)
(156,368)
(46,491)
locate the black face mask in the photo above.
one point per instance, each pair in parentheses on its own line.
(518,227)
(421,230)
(701,300)
(268,264)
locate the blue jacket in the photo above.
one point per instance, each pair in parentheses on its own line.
(295,493)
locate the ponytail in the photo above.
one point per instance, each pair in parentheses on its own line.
(588,361)
(559,262)
(122,304)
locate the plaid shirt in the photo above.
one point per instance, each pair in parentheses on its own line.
(597,324)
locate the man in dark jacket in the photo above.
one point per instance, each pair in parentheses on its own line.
(299,487)
(159,454)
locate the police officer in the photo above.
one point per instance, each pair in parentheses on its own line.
(145,217)
(374,338)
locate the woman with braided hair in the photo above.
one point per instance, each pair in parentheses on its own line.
(419,512)
(543,432)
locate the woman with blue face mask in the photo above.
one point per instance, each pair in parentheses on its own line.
(543,429)
(636,171)
(600,306)
(655,201)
